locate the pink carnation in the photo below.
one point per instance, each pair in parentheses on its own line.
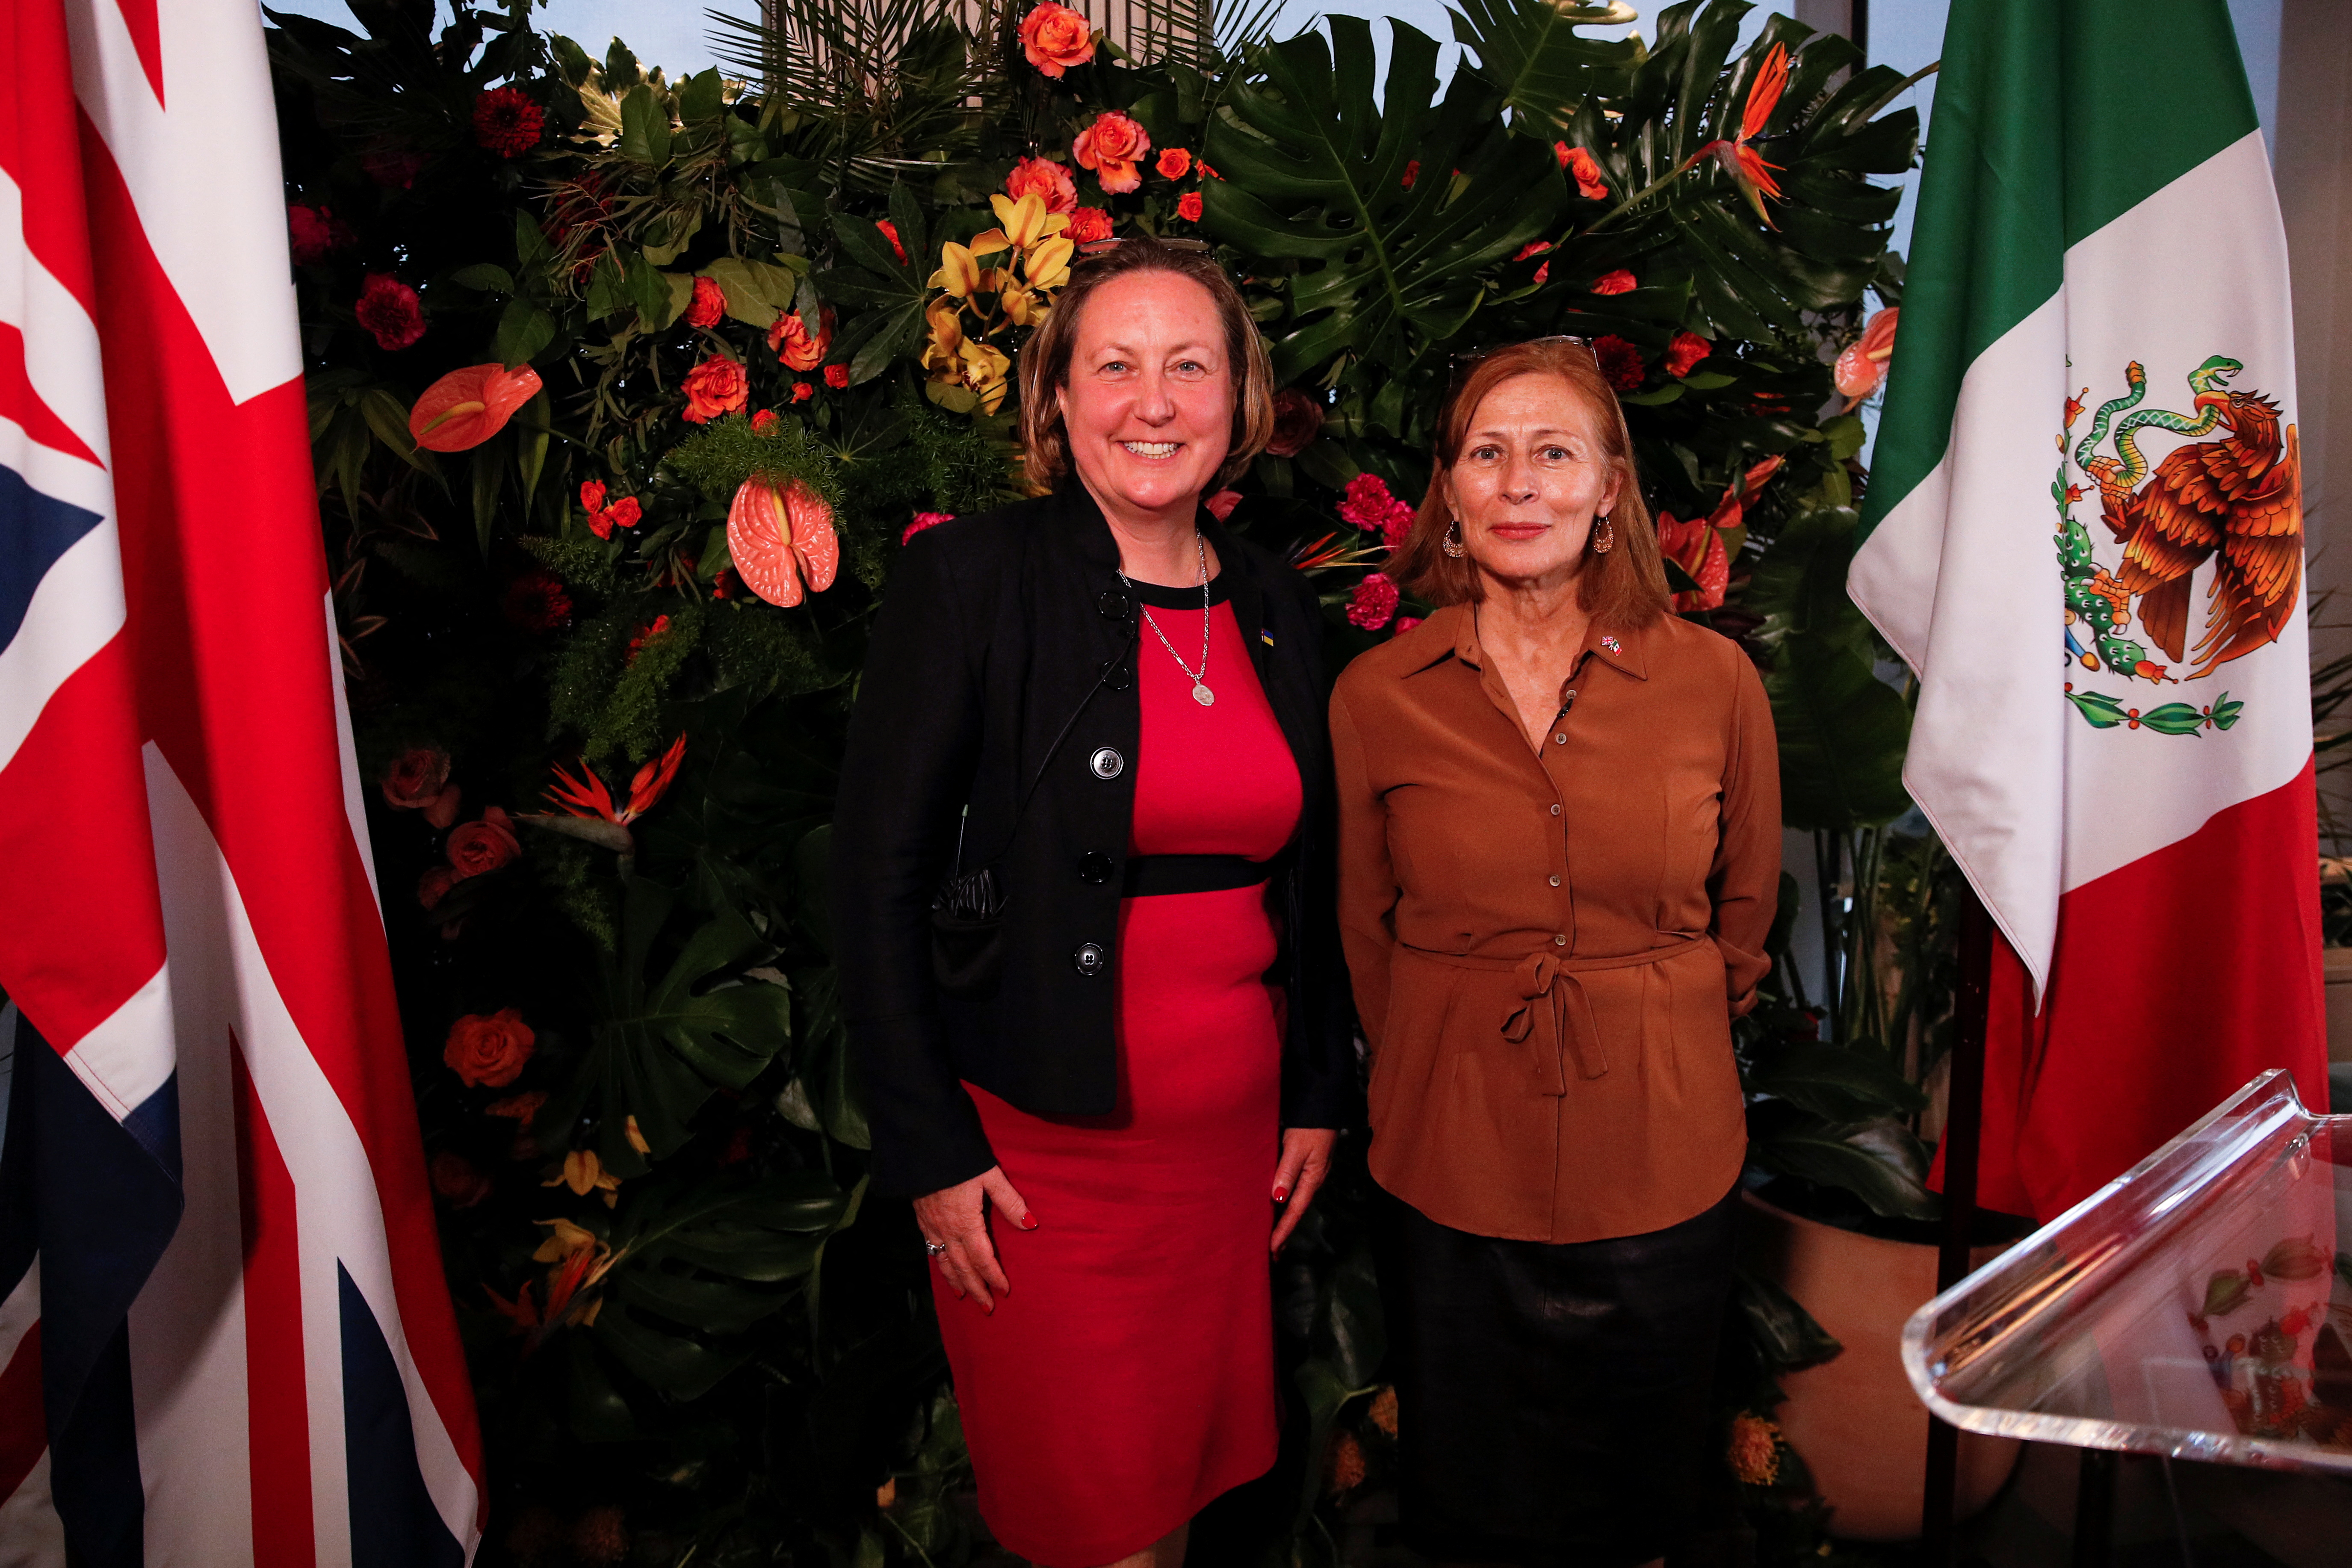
(1375,603)
(1367,502)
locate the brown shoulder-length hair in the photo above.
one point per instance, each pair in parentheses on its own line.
(1046,358)
(1625,587)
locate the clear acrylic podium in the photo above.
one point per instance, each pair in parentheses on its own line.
(2198,1307)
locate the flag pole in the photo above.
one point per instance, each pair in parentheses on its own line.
(1963,1128)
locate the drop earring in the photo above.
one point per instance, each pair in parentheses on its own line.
(1452,543)
(1604,536)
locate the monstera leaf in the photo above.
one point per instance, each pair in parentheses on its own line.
(1537,59)
(1827,230)
(1314,172)
(662,1046)
(692,1269)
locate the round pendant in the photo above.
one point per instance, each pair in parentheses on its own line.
(1201,694)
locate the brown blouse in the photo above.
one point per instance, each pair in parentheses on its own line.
(1548,944)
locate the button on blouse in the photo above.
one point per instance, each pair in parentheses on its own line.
(1548,943)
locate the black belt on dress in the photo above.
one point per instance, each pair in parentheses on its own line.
(1151,876)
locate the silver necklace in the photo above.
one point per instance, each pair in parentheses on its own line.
(1201,692)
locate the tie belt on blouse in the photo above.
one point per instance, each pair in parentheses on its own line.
(1553,1011)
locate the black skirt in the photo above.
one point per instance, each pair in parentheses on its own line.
(1552,1400)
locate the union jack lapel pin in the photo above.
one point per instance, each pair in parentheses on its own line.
(1613,645)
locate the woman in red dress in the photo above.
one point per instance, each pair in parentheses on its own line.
(1110,1075)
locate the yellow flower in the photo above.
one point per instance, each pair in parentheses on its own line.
(958,274)
(1047,265)
(947,335)
(563,1239)
(983,371)
(1022,308)
(637,1139)
(1026,221)
(584,1173)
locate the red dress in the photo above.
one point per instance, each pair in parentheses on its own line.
(1128,1378)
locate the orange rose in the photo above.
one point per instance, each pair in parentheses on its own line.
(1619,281)
(716,386)
(489,1052)
(1112,147)
(1586,170)
(790,338)
(1188,207)
(483,846)
(1173,163)
(1055,38)
(1050,181)
(1087,226)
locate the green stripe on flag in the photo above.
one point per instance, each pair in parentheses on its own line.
(2053,118)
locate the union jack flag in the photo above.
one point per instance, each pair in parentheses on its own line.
(224,1337)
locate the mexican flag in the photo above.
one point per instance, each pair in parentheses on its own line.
(2084,534)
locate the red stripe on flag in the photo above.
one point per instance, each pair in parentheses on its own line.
(227,580)
(85,925)
(20,403)
(139,18)
(39,146)
(277,1401)
(2175,980)
(24,1428)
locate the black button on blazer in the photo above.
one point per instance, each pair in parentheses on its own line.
(994,630)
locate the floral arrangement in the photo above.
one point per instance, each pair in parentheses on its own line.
(625,391)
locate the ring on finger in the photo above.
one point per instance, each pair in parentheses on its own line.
(936,1248)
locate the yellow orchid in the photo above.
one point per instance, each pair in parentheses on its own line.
(637,1137)
(584,1173)
(958,274)
(988,242)
(983,372)
(1022,308)
(1025,222)
(563,1239)
(947,335)
(1047,265)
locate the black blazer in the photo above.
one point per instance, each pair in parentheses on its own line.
(995,628)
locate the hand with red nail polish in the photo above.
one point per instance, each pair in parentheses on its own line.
(1306,1160)
(957,1216)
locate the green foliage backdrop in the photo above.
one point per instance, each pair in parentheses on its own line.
(696,1338)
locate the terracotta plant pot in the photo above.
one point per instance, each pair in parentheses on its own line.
(1854,1418)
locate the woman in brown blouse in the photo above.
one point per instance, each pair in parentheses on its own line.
(1559,851)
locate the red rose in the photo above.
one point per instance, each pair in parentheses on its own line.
(602,518)
(716,386)
(1297,419)
(646,635)
(1112,147)
(387,308)
(710,304)
(1055,38)
(1580,163)
(506,122)
(1173,163)
(802,392)
(924,519)
(726,584)
(765,420)
(435,885)
(1374,603)
(1087,226)
(1046,179)
(1188,207)
(790,338)
(484,846)
(836,376)
(537,602)
(316,232)
(1620,363)
(391,167)
(456,1181)
(489,1052)
(1618,282)
(1411,172)
(416,778)
(1221,505)
(1686,349)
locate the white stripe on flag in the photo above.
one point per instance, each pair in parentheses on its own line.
(354,792)
(223,983)
(76,611)
(61,355)
(128,1055)
(218,113)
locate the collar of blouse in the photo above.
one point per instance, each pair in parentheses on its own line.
(1624,650)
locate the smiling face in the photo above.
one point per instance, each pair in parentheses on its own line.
(1531,474)
(1149,405)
